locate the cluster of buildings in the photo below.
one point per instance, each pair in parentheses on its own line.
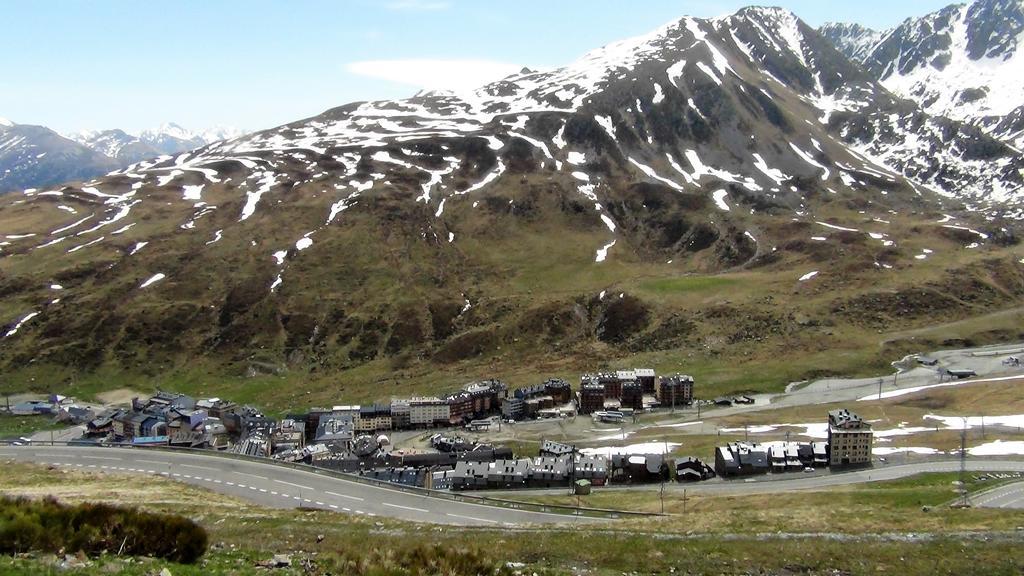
(638,389)
(177,420)
(61,408)
(539,472)
(849,444)
(552,399)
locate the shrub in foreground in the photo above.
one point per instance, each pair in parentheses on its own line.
(49,526)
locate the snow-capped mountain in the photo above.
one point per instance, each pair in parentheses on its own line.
(424,225)
(853,40)
(964,62)
(169,138)
(34,156)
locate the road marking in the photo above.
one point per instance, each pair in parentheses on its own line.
(472,518)
(99,458)
(406,508)
(319,503)
(334,506)
(296,485)
(252,475)
(229,483)
(199,467)
(347,509)
(356,498)
(273,492)
(150,461)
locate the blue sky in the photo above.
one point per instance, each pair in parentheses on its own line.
(88,64)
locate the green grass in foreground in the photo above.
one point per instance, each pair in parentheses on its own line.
(241,535)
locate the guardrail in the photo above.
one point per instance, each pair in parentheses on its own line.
(426,492)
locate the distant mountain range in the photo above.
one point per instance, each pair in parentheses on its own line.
(729,188)
(964,62)
(36,156)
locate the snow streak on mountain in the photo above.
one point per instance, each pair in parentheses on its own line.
(705,143)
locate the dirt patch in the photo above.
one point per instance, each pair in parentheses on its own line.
(118,396)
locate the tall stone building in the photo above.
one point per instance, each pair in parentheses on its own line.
(849,439)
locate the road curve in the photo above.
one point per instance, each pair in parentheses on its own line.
(276,486)
(1009,496)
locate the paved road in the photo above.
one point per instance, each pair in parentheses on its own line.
(281,487)
(1009,496)
(779,483)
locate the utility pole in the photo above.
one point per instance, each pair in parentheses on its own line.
(684,500)
(964,502)
(880,380)
(572,475)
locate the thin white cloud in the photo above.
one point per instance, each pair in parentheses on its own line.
(435,74)
(418,5)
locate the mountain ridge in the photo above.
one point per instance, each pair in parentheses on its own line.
(86,155)
(544,212)
(964,62)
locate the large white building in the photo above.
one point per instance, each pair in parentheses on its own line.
(428,411)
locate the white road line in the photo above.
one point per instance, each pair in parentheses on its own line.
(252,475)
(472,518)
(151,461)
(333,506)
(290,484)
(356,498)
(406,507)
(319,503)
(199,467)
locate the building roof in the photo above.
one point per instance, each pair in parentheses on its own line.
(845,420)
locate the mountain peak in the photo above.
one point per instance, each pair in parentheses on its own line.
(6,122)
(964,62)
